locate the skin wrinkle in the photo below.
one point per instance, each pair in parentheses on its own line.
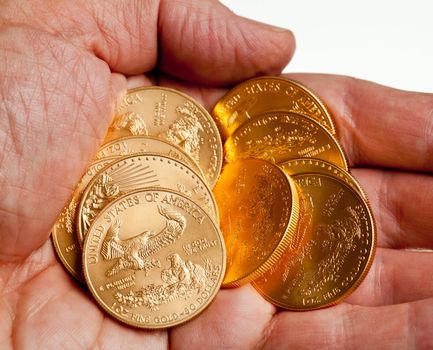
(394,208)
(384,199)
(378,278)
(429,133)
(348,326)
(268,329)
(28,268)
(5,305)
(35,309)
(349,121)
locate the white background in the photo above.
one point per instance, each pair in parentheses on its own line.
(389,42)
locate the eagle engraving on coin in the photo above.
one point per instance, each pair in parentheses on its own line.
(133,253)
(131,122)
(185,131)
(339,241)
(279,142)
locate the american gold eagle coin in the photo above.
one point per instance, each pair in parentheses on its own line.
(258,206)
(153,258)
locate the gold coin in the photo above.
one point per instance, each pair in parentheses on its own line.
(63,233)
(138,171)
(281,136)
(173,116)
(153,258)
(260,95)
(337,243)
(258,204)
(309,165)
(149,144)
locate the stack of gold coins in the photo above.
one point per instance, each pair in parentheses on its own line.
(296,224)
(141,229)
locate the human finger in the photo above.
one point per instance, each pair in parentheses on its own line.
(236,319)
(200,41)
(347,326)
(401,203)
(377,126)
(396,276)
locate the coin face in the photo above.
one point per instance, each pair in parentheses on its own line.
(282,136)
(140,171)
(63,233)
(308,166)
(153,258)
(261,95)
(146,144)
(175,117)
(259,209)
(336,247)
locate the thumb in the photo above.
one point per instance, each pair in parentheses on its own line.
(205,42)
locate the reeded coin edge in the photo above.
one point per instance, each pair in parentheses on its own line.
(205,305)
(54,236)
(63,260)
(362,276)
(320,164)
(283,244)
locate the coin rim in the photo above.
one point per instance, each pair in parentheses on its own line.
(207,115)
(183,320)
(285,239)
(362,276)
(281,114)
(226,133)
(55,236)
(135,137)
(338,172)
(78,218)
(63,260)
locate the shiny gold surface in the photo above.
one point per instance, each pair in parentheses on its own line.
(282,136)
(63,233)
(265,94)
(331,252)
(308,166)
(125,146)
(175,117)
(140,171)
(258,204)
(153,259)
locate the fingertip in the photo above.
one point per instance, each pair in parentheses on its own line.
(212,45)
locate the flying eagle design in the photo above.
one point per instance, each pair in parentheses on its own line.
(134,253)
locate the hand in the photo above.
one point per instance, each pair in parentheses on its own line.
(57,99)
(62,66)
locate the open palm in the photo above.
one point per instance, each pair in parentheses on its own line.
(62,66)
